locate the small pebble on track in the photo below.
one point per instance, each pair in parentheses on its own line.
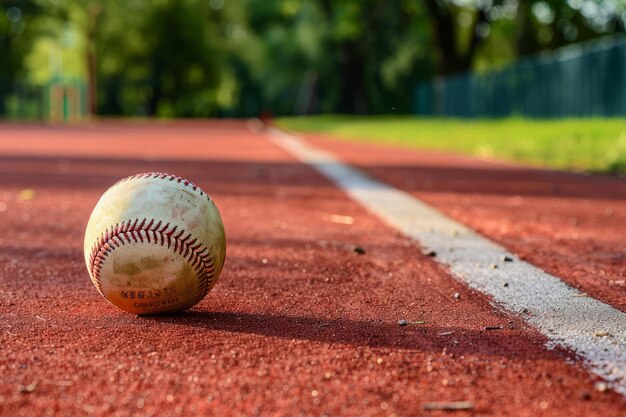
(25,389)
(359,250)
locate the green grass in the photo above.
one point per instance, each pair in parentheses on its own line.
(592,144)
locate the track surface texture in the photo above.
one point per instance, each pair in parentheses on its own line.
(299,323)
(571,225)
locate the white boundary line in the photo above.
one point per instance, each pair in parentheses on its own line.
(592,329)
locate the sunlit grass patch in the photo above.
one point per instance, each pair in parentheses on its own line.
(589,144)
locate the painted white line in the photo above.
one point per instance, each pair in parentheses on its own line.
(593,330)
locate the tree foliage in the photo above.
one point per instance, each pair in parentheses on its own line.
(220,57)
(162,58)
(18,31)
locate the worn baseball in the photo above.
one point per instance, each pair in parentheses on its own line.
(154,244)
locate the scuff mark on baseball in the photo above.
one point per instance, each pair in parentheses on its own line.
(154,243)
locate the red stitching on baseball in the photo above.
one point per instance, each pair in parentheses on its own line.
(164,176)
(198,255)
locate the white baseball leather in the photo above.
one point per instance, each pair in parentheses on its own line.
(154,243)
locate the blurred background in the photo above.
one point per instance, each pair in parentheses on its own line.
(66,60)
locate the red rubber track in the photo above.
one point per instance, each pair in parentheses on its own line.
(298,324)
(571,225)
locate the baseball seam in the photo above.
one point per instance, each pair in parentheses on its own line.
(165,176)
(153,232)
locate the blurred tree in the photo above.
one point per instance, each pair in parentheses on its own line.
(218,57)
(345,56)
(18,31)
(182,57)
(549,24)
(445,29)
(93,10)
(463,29)
(162,58)
(357,56)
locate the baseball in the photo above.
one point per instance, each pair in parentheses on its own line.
(154,243)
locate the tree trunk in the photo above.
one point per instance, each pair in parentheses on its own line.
(93,12)
(351,62)
(526,40)
(3,94)
(444,32)
(444,29)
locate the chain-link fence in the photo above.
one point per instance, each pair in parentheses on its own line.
(579,80)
